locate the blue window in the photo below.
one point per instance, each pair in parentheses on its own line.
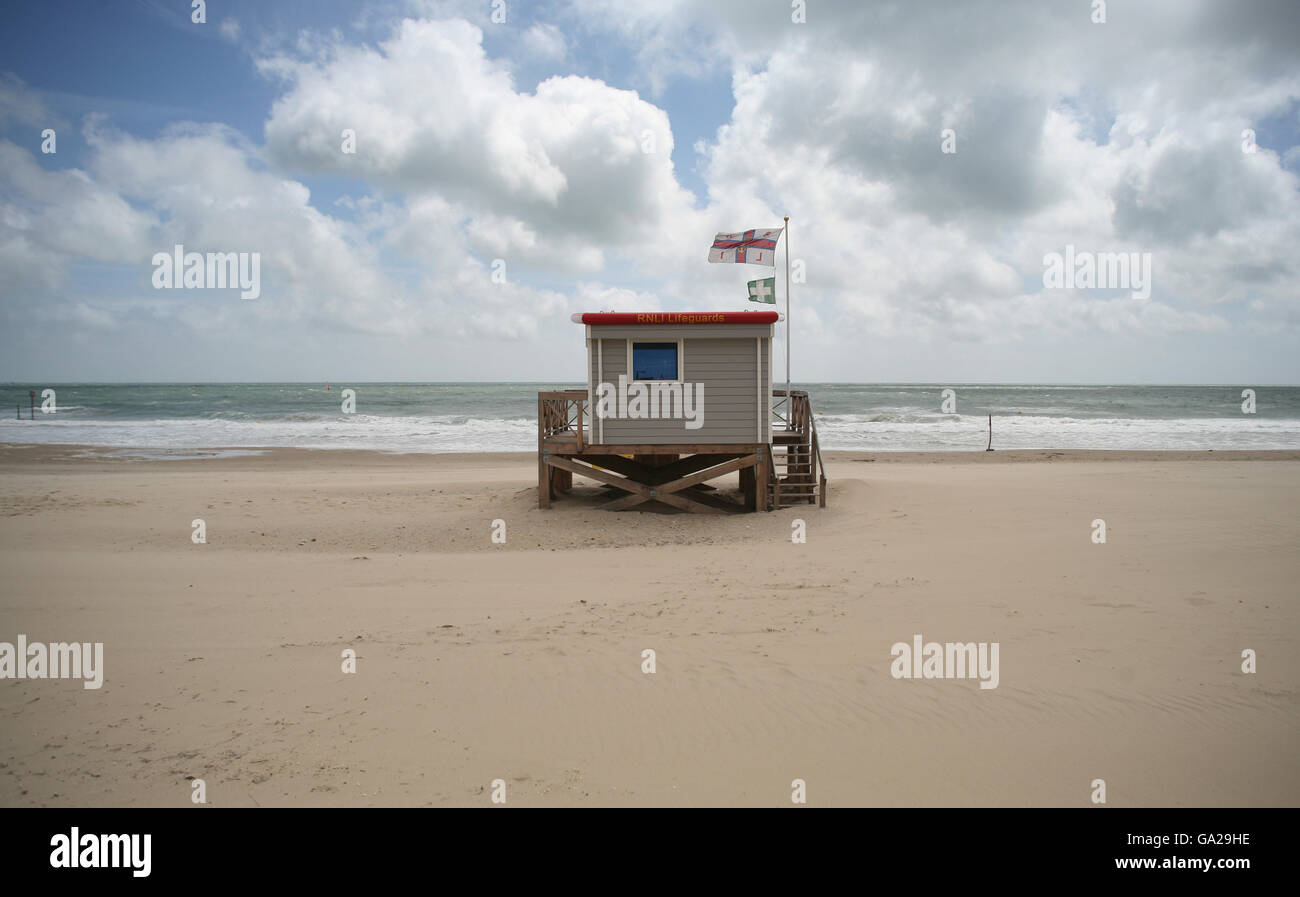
(654,361)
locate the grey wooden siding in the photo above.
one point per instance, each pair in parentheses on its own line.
(733,384)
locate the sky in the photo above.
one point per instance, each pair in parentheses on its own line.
(511,163)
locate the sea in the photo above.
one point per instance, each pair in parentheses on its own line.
(178,420)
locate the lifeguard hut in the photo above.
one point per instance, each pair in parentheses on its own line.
(673,400)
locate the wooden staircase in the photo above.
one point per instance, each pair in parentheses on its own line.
(796,473)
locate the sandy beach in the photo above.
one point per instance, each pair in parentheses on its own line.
(522,661)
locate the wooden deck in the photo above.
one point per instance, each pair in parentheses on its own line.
(788,471)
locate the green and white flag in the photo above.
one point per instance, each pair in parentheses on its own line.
(763,290)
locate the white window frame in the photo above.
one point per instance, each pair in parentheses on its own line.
(681,359)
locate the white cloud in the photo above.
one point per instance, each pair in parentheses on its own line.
(433,114)
(51,218)
(545,41)
(591,296)
(20,104)
(839,123)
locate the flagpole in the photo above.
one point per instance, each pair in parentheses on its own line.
(789,404)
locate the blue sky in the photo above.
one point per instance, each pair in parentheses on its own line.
(522,144)
(145,65)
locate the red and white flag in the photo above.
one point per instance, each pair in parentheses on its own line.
(751,247)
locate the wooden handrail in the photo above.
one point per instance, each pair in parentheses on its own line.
(820,472)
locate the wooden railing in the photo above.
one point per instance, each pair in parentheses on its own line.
(821,465)
(563,415)
(798,411)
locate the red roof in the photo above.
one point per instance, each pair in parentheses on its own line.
(676,317)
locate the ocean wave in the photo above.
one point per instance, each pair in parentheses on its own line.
(1044,432)
(447,433)
(897,430)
